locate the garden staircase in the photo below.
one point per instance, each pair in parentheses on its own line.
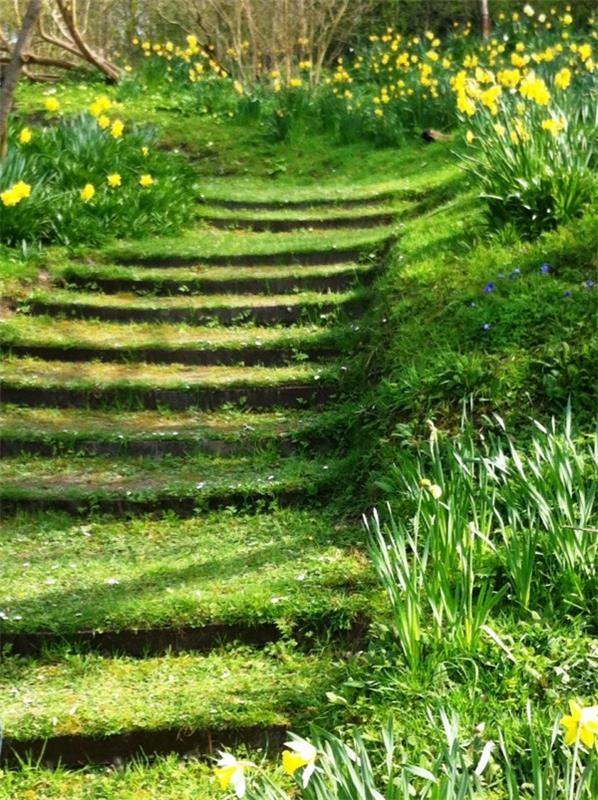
(164,487)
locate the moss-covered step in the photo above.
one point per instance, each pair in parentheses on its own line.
(87,708)
(131,386)
(285,220)
(83,340)
(216,280)
(164,777)
(51,431)
(286,309)
(123,486)
(253,195)
(240,248)
(148,585)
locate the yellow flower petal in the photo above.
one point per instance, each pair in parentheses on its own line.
(291,762)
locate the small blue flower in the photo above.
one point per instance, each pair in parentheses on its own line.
(545,269)
(486,326)
(515,273)
(589,284)
(489,287)
(567,293)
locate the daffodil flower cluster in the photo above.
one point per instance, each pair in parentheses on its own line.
(301,757)
(231,772)
(13,196)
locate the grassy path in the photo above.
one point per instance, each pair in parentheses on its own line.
(162,487)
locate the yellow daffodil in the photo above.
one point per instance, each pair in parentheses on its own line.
(300,754)
(116,131)
(103,121)
(87,192)
(470,137)
(528,10)
(581,724)
(567,19)
(114,180)
(535,89)
(465,105)
(146,181)
(562,79)
(99,106)
(13,196)
(435,491)
(584,51)
(52,105)
(553,126)
(145,150)
(509,78)
(25,136)
(230,772)
(490,97)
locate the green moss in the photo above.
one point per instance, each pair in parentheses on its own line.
(213,275)
(228,423)
(302,215)
(168,778)
(203,243)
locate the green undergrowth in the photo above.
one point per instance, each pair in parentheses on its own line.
(169,778)
(497,325)
(63,575)
(68,693)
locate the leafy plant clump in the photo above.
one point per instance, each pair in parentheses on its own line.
(85,177)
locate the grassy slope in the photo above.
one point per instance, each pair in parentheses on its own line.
(469,326)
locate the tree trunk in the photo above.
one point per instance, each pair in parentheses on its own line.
(485,14)
(14,69)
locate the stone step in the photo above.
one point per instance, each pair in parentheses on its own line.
(335,200)
(196,309)
(372,219)
(123,486)
(82,340)
(153,434)
(133,386)
(81,709)
(217,280)
(146,586)
(208,247)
